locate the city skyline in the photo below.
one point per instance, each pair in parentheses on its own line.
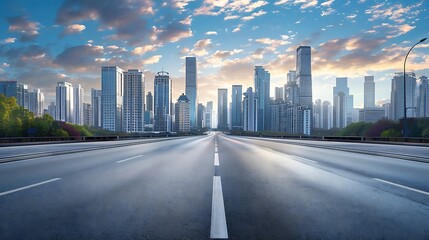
(41,49)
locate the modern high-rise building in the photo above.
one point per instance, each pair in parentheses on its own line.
(209,115)
(36,102)
(88,119)
(134,96)
(191,88)
(148,114)
(318,114)
(182,114)
(327,115)
(423,100)
(397,95)
(112,92)
(9,89)
(277,115)
(262,91)
(303,75)
(23,96)
(17,90)
(149,101)
(279,93)
(52,111)
(96,107)
(201,123)
(78,99)
(340,110)
(250,111)
(369,92)
(236,105)
(341,86)
(291,89)
(222,109)
(162,102)
(64,102)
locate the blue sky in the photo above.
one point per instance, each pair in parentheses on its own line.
(45,41)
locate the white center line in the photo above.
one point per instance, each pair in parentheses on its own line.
(216,159)
(29,186)
(127,159)
(216,149)
(218,228)
(402,186)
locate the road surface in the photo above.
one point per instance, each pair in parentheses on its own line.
(215,186)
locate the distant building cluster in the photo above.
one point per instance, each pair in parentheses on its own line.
(122,104)
(290,111)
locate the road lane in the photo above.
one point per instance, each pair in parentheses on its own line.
(272,195)
(409,173)
(156,196)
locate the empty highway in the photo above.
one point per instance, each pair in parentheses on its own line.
(214,186)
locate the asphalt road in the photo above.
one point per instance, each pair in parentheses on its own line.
(215,186)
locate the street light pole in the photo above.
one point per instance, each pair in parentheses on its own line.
(405,90)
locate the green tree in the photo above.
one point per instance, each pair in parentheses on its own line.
(391,133)
(355,129)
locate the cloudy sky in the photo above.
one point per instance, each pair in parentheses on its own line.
(46,41)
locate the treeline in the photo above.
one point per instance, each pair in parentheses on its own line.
(15,121)
(417,127)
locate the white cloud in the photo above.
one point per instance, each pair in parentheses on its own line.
(253,15)
(238,28)
(152,60)
(9,40)
(74,28)
(211,33)
(230,17)
(327,3)
(144,49)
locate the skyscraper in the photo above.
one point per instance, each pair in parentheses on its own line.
(88,119)
(341,86)
(340,110)
(262,91)
(17,90)
(397,95)
(162,102)
(318,114)
(236,104)
(78,99)
(64,102)
(96,107)
(148,115)
(134,96)
(222,109)
(423,101)
(36,102)
(209,115)
(279,93)
(327,115)
(201,116)
(303,75)
(369,92)
(149,101)
(291,89)
(52,110)
(182,114)
(191,88)
(250,111)
(112,91)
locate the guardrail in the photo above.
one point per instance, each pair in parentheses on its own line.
(86,138)
(337,138)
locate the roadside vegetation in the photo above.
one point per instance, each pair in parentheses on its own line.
(15,121)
